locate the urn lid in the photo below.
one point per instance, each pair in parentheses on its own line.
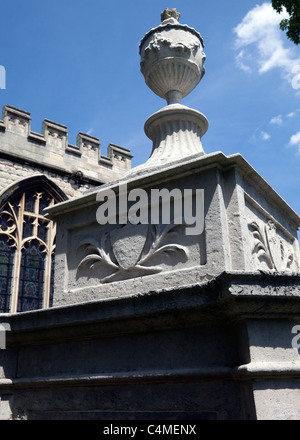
(170,20)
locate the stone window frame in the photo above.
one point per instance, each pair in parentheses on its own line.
(42,185)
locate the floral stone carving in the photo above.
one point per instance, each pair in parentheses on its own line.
(130,248)
(270,248)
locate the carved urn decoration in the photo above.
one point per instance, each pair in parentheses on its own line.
(172,62)
(172,58)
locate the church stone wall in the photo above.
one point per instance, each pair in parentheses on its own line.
(74,168)
(11,172)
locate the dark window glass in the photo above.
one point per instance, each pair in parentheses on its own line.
(6,265)
(31,285)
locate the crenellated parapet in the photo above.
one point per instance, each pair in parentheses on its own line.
(51,148)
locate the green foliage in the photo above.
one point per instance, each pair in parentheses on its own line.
(291,25)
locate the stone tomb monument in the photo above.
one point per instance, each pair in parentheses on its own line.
(166,319)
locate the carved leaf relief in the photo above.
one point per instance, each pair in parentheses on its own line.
(130,248)
(270,248)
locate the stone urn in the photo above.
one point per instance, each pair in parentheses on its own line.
(172,58)
(172,62)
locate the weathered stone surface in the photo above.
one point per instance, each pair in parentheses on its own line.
(235,198)
(209,351)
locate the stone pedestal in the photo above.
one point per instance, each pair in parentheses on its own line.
(219,350)
(247,227)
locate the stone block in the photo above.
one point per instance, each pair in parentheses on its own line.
(16,120)
(247,227)
(89,146)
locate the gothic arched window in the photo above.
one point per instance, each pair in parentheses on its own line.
(27,245)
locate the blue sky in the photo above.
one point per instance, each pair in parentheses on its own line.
(77,63)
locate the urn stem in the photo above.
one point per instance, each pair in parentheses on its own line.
(174,97)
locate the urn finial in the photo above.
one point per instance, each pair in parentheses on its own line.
(170,13)
(172,58)
(172,63)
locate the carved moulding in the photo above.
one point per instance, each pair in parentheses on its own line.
(130,248)
(270,248)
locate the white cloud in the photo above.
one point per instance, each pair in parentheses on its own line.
(277,120)
(259,135)
(291,115)
(265,136)
(260,42)
(240,58)
(295,141)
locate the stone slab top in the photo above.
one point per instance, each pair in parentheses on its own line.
(231,295)
(143,178)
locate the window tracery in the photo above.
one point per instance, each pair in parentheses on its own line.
(27,246)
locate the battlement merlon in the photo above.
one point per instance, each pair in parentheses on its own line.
(52,149)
